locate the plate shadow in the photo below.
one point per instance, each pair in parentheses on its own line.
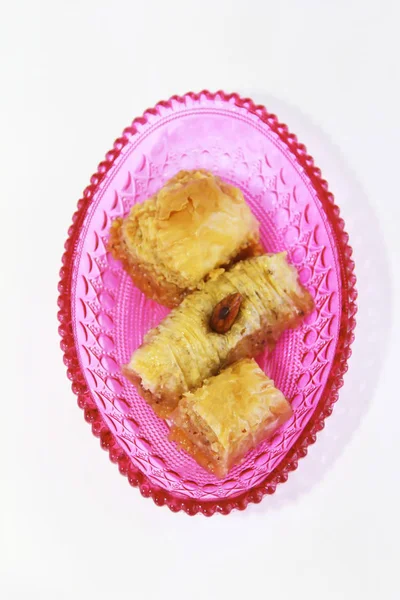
(374,288)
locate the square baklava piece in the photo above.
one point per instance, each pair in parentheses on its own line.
(194,224)
(229,415)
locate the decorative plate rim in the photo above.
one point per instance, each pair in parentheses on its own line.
(346,335)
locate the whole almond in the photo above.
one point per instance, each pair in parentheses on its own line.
(225,313)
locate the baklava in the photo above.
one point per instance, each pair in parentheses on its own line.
(183,350)
(229,415)
(194,224)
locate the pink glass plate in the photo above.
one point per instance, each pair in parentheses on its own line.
(104,317)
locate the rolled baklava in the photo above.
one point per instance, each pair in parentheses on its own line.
(185,349)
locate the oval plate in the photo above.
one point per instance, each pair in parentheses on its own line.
(104,317)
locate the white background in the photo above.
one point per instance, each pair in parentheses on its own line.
(73,75)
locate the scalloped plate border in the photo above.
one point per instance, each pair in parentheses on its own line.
(346,336)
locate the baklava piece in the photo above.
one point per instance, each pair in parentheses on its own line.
(184,349)
(194,224)
(229,415)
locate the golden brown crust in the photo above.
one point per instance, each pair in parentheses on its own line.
(205,458)
(162,405)
(151,283)
(209,460)
(142,274)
